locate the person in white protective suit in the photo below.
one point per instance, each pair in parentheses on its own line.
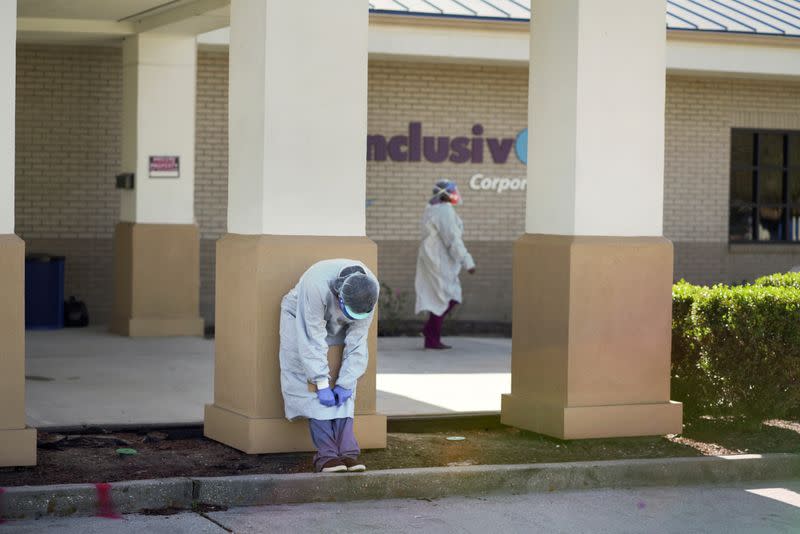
(441,257)
(332,304)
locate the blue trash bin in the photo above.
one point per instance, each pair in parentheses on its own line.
(44,292)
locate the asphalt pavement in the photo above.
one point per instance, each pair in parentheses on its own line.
(752,508)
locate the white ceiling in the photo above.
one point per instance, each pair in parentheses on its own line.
(106,10)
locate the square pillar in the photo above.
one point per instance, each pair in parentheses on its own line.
(156,244)
(17,442)
(593,274)
(296,195)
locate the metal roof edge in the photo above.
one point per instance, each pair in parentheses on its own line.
(445,16)
(733,37)
(447,21)
(506,24)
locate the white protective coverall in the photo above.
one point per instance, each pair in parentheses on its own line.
(311,321)
(441,256)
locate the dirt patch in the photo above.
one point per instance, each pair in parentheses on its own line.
(92,456)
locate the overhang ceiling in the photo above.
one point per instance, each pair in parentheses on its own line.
(104,21)
(107,10)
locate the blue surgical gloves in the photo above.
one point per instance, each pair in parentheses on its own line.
(333,397)
(326,397)
(341,394)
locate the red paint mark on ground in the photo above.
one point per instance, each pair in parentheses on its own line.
(2,491)
(105,506)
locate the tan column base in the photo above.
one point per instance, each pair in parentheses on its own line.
(18,447)
(253,275)
(17,442)
(262,436)
(156,280)
(584,422)
(591,339)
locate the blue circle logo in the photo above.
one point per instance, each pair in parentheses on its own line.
(521,146)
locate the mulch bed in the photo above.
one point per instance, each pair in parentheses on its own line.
(90,456)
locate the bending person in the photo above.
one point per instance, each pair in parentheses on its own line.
(332,304)
(441,257)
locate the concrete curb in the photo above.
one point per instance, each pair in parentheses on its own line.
(425,483)
(433,483)
(34,502)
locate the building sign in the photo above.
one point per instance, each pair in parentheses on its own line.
(413,146)
(165,167)
(497,184)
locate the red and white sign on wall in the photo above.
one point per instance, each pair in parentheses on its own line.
(165,166)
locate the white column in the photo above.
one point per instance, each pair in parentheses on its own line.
(159,80)
(8,42)
(596,118)
(17,442)
(296,195)
(298,117)
(156,243)
(593,274)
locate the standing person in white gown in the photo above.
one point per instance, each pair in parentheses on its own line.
(441,257)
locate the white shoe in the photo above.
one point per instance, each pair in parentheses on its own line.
(353,465)
(334,466)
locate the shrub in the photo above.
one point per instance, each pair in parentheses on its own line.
(779,280)
(736,349)
(391,307)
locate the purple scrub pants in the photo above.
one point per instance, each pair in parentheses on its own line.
(433,328)
(333,439)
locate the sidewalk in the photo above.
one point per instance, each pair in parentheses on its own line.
(485,482)
(755,507)
(90,377)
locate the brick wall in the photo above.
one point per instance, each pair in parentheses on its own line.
(68,122)
(67,153)
(211,175)
(700,114)
(448,100)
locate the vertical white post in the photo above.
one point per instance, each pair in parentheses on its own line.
(159,83)
(298,118)
(157,243)
(596,118)
(8,43)
(593,274)
(296,195)
(17,442)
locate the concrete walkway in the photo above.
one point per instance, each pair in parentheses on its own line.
(88,376)
(755,507)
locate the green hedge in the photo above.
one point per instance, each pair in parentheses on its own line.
(736,349)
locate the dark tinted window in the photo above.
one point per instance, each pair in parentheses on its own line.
(765,186)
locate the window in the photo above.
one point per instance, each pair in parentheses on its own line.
(765,186)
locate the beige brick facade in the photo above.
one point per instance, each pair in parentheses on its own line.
(448,100)
(68,142)
(67,153)
(700,113)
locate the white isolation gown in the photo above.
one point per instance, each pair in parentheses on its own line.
(311,321)
(441,257)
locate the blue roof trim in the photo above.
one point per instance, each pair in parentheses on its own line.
(741,17)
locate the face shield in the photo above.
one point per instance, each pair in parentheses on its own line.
(446,191)
(357,292)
